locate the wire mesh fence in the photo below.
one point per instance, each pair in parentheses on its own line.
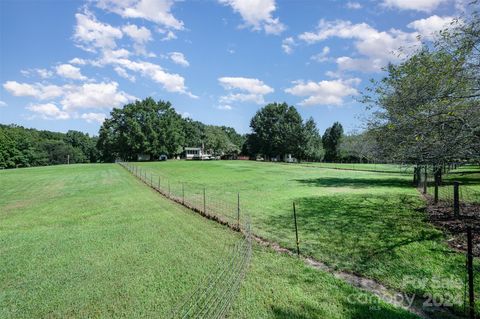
(214,296)
(223,207)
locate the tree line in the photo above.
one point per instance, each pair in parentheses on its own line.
(154,128)
(22,147)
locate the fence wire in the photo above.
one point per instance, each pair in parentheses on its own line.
(214,296)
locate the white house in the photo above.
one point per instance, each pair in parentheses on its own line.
(196,153)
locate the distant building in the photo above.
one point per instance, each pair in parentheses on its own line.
(193,152)
(289,159)
(197,153)
(143,157)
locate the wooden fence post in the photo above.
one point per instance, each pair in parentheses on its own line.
(296,229)
(456,200)
(471,294)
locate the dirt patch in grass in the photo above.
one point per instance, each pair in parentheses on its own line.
(441,215)
(17,205)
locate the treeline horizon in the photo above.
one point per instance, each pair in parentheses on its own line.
(155,128)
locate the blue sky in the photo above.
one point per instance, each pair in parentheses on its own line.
(66,64)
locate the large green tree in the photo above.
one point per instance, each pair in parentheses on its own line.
(426,109)
(142,127)
(311,148)
(331,141)
(155,128)
(278,129)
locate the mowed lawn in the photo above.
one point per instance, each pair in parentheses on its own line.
(363,222)
(91,241)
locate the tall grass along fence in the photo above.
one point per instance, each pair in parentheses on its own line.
(214,296)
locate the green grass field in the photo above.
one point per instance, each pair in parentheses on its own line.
(387,168)
(91,241)
(363,222)
(469,190)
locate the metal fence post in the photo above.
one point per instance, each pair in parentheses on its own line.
(238,210)
(159,182)
(437,182)
(471,294)
(296,229)
(183,194)
(168,188)
(204,202)
(456,200)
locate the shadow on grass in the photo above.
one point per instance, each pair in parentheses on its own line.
(361,182)
(357,232)
(465,180)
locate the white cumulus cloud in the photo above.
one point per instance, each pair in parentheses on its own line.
(94,96)
(257,14)
(90,34)
(71,97)
(250,85)
(140,37)
(171,82)
(49,111)
(93,117)
(430,26)
(243,90)
(418,5)
(157,11)
(288,44)
(327,92)
(70,72)
(353,5)
(377,48)
(322,56)
(37,90)
(178,58)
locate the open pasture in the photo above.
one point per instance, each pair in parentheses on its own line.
(91,241)
(369,223)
